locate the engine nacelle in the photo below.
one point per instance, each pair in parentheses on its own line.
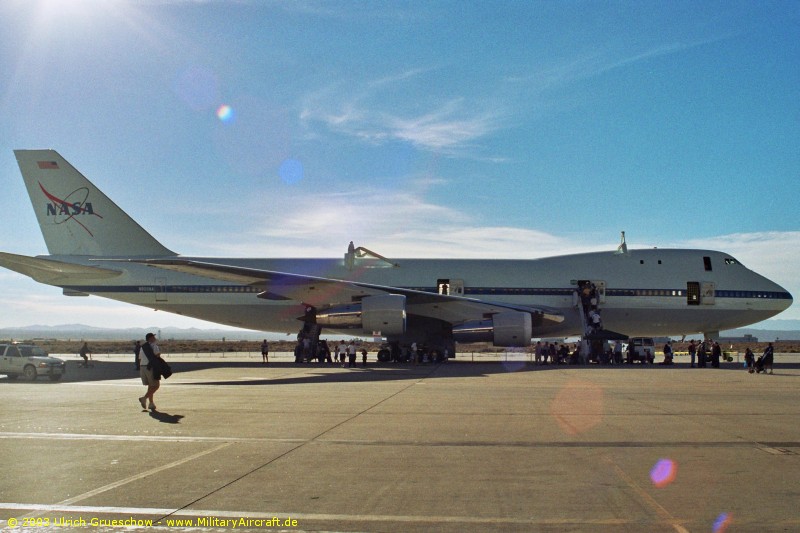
(385,313)
(511,328)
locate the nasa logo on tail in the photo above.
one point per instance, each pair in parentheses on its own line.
(74,204)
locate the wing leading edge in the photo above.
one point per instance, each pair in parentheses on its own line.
(326,292)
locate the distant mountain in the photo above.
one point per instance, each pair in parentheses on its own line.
(82,331)
(763,335)
(778,324)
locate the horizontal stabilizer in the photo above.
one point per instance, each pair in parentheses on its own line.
(53,272)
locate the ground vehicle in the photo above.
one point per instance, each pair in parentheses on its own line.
(30,361)
(644,350)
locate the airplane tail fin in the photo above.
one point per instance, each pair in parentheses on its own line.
(75,217)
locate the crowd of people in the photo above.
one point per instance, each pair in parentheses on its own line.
(591,309)
(701,354)
(343,353)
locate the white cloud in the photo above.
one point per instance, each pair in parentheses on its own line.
(451,126)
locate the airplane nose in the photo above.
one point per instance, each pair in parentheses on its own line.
(789,300)
(785,299)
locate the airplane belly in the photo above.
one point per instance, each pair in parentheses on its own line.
(655,322)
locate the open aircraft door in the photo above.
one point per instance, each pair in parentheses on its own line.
(701,293)
(450,287)
(599,288)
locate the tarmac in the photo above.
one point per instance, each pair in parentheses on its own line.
(464,446)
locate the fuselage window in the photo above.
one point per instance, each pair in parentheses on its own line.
(707,263)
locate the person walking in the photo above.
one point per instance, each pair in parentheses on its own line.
(147,367)
(265,352)
(86,353)
(749,360)
(767,358)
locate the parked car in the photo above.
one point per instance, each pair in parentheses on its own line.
(30,361)
(644,350)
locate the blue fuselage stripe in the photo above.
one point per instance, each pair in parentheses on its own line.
(468,291)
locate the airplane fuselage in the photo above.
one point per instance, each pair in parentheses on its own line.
(641,293)
(97,248)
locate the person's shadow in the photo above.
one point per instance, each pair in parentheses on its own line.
(165,417)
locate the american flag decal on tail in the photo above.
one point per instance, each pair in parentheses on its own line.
(47,165)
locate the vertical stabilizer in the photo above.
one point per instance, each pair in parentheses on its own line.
(76,218)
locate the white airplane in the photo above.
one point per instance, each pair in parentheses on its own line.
(96,248)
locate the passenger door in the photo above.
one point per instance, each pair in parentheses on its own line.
(13,360)
(4,365)
(450,287)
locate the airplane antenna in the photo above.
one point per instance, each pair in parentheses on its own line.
(623,246)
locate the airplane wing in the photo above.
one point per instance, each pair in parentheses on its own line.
(53,272)
(326,292)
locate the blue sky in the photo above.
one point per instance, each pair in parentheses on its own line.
(429,129)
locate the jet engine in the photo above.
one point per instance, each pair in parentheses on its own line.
(385,313)
(511,328)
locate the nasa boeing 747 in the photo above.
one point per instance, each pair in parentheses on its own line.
(95,248)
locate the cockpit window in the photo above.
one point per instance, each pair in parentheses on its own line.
(731,261)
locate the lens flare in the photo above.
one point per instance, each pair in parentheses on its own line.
(291,171)
(225,113)
(578,407)
(663,473)
(722,522)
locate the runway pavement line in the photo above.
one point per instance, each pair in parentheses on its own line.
(139,438)
(125,481)
(141,475)
(773,448)
(649,501)
(304,443)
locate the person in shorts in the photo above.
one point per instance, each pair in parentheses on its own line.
(149,349)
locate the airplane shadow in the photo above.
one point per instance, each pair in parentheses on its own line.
(306,373)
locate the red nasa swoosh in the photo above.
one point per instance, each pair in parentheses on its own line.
(58,201)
